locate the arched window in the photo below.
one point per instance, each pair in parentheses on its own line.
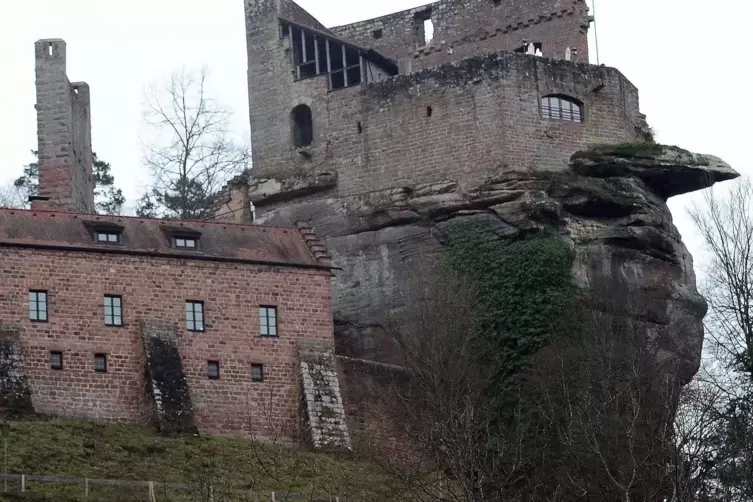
(303,126)
(559,107)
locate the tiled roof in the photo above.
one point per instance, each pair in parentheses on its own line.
(217,241)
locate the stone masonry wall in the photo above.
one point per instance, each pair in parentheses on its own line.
(471,27)
(325,413)
(155,289)
(461,122)
(64,132)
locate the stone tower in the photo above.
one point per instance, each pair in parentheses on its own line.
(64,131)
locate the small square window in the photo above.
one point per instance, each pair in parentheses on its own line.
(38,306)
(195,316)
(56,360)
(185,242)
(257,372)
(113,310)
(213,370)
(268,320)
(100,363)
(108,237)
(378,34)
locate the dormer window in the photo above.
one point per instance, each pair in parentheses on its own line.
(182,238)
(105,232)
(187,243)
(108,237)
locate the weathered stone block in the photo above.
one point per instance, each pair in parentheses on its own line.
(15,396)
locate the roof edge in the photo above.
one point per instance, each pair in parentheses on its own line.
(155,254)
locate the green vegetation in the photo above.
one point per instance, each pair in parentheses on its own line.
(54,447)
(523,290)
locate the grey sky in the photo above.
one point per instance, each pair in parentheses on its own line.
(688,58)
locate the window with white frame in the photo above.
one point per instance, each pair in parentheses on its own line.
(268,320)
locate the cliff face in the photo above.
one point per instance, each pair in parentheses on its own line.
(610,206)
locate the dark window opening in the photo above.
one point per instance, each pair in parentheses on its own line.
(56,360)
(423,27)
(303,126)
(497,2)
(354,75)
(268,321)
(108,237)
(322,53)
(360,128)
(213,370)
(113,310)
(336,61)
(38,306)
(378,34)
(337,80)
(429,111)
(295,44)
(100,363)
(564,108)
(195,316)
(257,372)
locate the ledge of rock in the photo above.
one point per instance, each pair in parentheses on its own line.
(666,170)
(290,185)
(610,206)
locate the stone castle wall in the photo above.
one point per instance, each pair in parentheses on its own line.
(64,132)
(155,290)
(464,28)
(464,121)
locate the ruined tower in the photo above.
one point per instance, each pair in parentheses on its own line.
(64,130)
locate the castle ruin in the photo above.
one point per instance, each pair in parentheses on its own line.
(382,138)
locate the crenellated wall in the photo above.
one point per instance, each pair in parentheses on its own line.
(472,27)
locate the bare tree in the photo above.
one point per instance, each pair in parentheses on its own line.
(12,197)
(726,225)
(190,152)
(589,418)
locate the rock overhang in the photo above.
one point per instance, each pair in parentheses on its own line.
(667,170)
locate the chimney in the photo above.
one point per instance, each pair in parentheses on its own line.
(66,182)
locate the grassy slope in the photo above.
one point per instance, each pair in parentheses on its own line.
(56,447)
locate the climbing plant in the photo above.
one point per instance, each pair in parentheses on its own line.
(523,289)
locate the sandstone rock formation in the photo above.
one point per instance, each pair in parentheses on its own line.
(610,206)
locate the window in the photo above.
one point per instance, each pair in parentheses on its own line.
(56,360)
(257,372)
(195,316)
(213,370)
(185,242)
(108,237)
(113,311)
(100,363)
(38,306)
(563,108)
(423,27)
(303,126)
(313,54)
(268,319)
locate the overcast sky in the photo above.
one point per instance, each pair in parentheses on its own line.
(689,58)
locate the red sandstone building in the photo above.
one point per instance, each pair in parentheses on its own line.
(192,325)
